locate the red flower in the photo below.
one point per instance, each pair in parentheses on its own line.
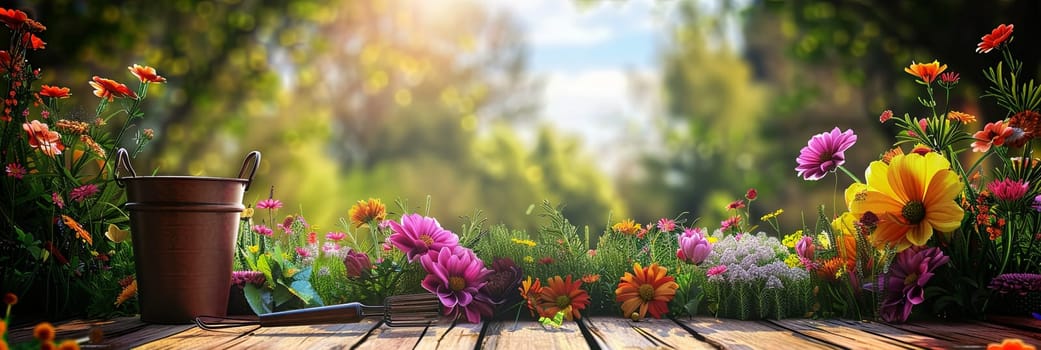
(886,114)
(992,134)
(110,89)
(561,294)
(738,204)
(54,91)
(33,42)
(146,74)
(13,18)
(994,39)
(751,194)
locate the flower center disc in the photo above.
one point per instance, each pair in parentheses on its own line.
(646,292)
(914,212)
(456,283)
(426,239)
(911,279)
(563,302)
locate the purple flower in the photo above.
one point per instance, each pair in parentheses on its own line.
(1037,203)
(457,280)
(357,264)
(240,278)
(1008,190)
(504,280)
(1018,283)
(804,248)
(905,283)
(15,170)
(694,247)
(416,235)
(269,204)
(824,153)
(263,230)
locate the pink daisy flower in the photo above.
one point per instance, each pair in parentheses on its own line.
(335,236)
(79,194)
(417,235)
(269,203)
(824,153)
(15,170)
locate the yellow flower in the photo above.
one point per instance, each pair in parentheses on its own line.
(364,212)
(627,226)
(790,240)
(254,249)
(529,259)
(792,260)
(912,196)
(712,239)
(772,215)
(115,234)
(823,240)
(246,213)
(844,224)
(927,72)
(526,242)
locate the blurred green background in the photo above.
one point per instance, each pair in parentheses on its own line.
(401,99)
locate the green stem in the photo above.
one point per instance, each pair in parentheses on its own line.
(850,174)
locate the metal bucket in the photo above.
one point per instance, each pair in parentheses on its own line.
(184,231)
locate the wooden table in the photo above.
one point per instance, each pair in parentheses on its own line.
(590,333)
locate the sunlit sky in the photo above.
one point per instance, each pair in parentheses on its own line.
(599,63)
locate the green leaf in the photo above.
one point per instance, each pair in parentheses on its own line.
(259,299)
(306,293)
(282,294)
(265,267)
(303,275)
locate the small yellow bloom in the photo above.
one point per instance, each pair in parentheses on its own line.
(790,240)
(526,242)
(824,241)
(115,234)
(792,260)
(772,215)
(254,249)
(246,214)
(292,271)
(712,239)
(529,259)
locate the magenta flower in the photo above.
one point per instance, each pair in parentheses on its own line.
(240,278)
(905,283)
(457,280)
(804,248)
(269,204)
(15,170)
(335,236)
(694,247)
(1008,190)
(503,282)
(1016,283)
(263,230)
(56,198)
(729,222)
(357,264)
(666,225)
(824,153)
(416,235)
(1037,203)
(79,194)
(716,270)
(303,252)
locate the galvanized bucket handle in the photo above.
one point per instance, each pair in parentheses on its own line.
(123,161)
(255,157)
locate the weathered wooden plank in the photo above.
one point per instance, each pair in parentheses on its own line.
(118,333)
(529,335)
(198,338)
(1022,322)
(843,335)
(970,333)
(457,336)
(139,337)
(334,336)
(623,333)
(929,341)
(737,334)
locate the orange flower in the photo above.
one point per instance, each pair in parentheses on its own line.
(530,291)
(13,18)
(146,74)
(994,39)
(128,292)
(927,72)
(1010,343)
(992,134)
(75,226)
(830,269)
(650,289)
(559,294)
(54,91)
(964,118)
(44,332)
(41,137)
(48,345)
(3,326)
(591,278)
(110,89)
(364,212)
(627,226)
(3,345)
(69,345)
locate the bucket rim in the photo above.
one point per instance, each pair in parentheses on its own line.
(183,178)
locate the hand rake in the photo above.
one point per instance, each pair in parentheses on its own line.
(412,310)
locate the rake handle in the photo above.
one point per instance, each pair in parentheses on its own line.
(342,313)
